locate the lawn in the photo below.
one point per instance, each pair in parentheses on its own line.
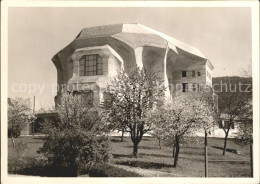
(153,161)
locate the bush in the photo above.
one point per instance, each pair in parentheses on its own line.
(74,150)
(75,139)
(36,167)
(105,170)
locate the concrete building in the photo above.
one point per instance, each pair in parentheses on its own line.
(99,53)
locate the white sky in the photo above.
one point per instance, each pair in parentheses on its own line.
(223,35)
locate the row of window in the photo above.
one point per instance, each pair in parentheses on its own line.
(184,73)
(190,87)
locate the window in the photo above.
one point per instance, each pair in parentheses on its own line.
(198,74)
(86,97)
(193,73)
(184,87)
(193,87)
(183,74)
(91,65)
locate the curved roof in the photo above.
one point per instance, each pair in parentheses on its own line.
(136,35)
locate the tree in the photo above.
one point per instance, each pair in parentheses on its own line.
(130,97)
(175,118)
(205,111)
(245,124)
(19,115)
(233,101)
(115,118)
(76,139)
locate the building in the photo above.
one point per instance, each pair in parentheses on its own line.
(99,53)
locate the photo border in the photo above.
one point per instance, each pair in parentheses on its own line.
(254,5)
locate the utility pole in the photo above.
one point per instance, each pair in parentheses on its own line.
(206,155)
(33,114)
(33,104)
(251,159)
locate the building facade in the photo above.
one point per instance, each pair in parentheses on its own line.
(97,54)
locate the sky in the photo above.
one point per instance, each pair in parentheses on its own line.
(36,34)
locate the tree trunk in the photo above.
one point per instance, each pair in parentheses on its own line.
(173,150)
(225,143)
(12,138)
(159,142)
(176,156)
(122,136)
(135,148)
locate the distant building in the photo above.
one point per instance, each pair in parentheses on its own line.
(99,53)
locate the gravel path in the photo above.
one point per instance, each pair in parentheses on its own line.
(145,172)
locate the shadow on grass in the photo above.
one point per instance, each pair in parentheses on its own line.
(145,165)
(123,156)
(116,140)
(142,147)
(155,155)
(227,149)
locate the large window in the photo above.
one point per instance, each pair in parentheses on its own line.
(90,65)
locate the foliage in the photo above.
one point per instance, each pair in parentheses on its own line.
(130,98)
(105,170)
(205,113)
(235,101)
(245,126)
(19,114)
(20,149)
(76,140)
(175,119)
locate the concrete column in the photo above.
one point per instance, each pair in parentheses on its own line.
(75,68)
(139,57)
(166,82)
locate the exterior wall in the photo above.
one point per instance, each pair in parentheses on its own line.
(114,66)
(27,130)
(177,78)
(153,59)
(208,75)
(111,64)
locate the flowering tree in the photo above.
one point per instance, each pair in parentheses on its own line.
(19,114)
(76,138)
(234,102)
(205,112)
(130,97)
(175,118)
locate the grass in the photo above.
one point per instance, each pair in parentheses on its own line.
(152,158)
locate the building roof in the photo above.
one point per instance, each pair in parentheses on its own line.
(134,35)
(137,35)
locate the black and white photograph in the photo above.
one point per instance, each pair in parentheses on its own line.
(145,92)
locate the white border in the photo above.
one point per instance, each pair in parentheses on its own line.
(4,62)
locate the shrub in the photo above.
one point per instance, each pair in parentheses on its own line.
(75,140)
(19,114)
(105,170)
